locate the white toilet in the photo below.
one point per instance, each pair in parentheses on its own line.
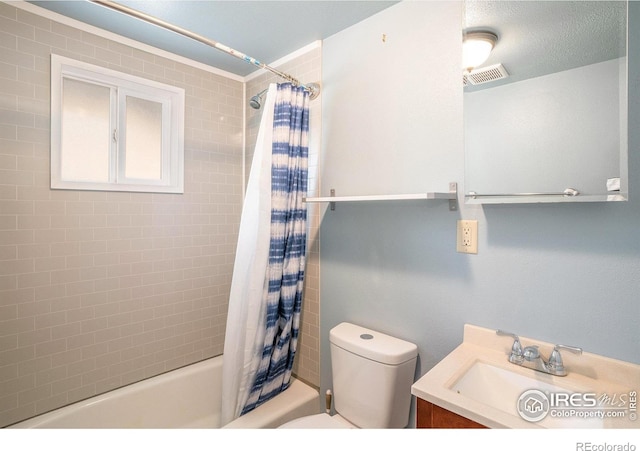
(372,376)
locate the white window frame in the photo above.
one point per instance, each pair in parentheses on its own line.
(122,86)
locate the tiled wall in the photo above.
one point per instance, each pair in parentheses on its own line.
(100,289)
(306,68)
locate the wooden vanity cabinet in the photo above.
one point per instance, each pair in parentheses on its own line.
(429,415)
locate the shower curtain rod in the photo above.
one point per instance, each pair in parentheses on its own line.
(313,88)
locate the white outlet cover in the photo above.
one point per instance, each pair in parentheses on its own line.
(467,236)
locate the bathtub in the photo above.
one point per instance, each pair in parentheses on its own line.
(188,397)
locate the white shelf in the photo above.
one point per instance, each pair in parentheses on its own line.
(381,197)
(451,196)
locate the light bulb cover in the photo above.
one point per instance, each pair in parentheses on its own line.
(476,48)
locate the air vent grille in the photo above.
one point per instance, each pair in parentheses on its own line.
(485,75)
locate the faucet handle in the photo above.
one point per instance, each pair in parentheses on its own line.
(573,349)
(555,364)
(516,355)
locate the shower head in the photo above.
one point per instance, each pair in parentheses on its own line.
(256,101)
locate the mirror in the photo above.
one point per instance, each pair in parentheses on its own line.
(545,117)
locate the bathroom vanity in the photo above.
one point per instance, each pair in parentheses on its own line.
(479,385)
(432,416)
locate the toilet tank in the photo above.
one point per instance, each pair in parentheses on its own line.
(372,376)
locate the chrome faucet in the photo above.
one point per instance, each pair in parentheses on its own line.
(529,357)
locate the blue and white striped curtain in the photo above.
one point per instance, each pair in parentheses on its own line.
(287,249)
(266,290)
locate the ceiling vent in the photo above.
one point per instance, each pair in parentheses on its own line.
(485,75)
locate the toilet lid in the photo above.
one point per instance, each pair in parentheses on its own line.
(319,421)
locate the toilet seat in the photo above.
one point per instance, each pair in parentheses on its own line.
(319,421)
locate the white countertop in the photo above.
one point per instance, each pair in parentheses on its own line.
(586,373)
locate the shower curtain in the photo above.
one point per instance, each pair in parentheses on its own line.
(266,290)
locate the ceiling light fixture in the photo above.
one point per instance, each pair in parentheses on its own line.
(476,47)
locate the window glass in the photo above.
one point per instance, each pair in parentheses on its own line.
(86,131)
(143,151)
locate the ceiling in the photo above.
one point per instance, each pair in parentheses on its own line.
(541,37)
(535,37)
(265,30)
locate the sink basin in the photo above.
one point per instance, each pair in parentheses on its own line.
(496,387)
(501,389)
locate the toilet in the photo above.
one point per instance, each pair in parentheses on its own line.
(372,376)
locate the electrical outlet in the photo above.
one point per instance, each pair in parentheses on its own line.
(467,241)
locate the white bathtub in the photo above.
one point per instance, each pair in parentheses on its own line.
(188,397)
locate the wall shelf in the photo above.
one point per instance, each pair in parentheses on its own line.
(451,196)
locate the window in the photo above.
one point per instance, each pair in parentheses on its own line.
(113,131)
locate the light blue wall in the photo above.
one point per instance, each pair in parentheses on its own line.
(392,122)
